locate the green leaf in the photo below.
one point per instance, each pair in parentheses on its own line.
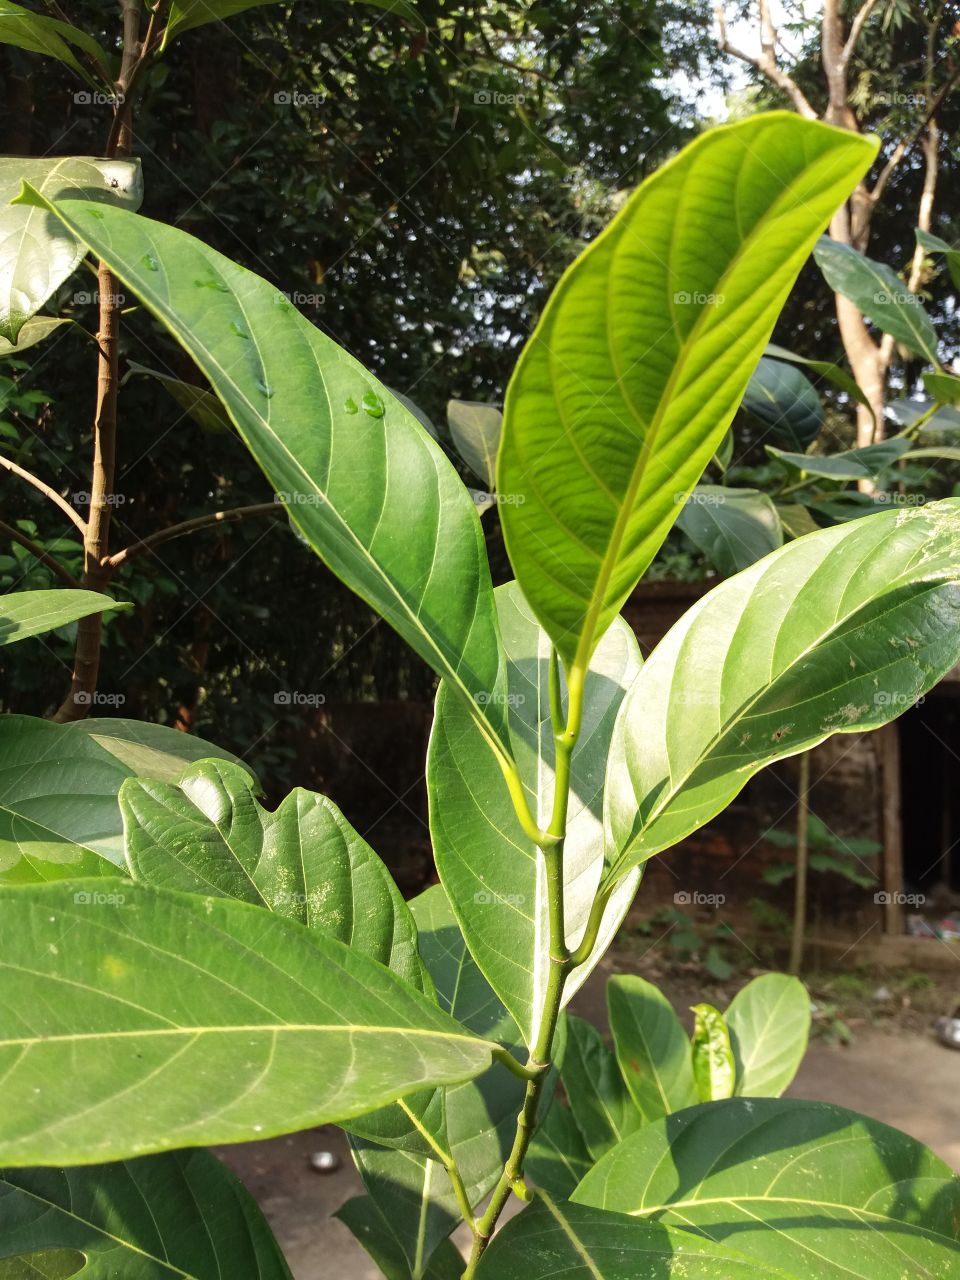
(491,871)
(180,1020)
(37,253)
(865,463)
(37,33)
(838,632)
(636,368)
(826,369)
(653,1049)
(879,293)
(906,411)
(472,1123)
(475,431)
(943,387)
(30,613)
(180,1215)
(208,834)
(558,1159)
(375,1232)
(795,519)
(36,329)
(808,1188)
(549,1241)
(769,1025)
(732,527)
(200,405)
(935,244)
(785,402)
(713,1066)
(599,1100)
(408,539)
(59,812)
(949,453)
(724,454)
(48,1264)
(187,14)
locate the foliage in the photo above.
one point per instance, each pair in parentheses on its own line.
(184,966)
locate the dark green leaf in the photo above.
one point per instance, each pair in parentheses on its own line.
(653,1049)
(598,1097)
(785,402)
(852,464)
(375,1233)
(732,527)
(935,244)
(832,372)
(558,1158)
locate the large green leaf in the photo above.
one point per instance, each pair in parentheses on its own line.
(362,1217)
(769,1025)
(37,253)
(37,33)
(29,613)
(550,1241)
(866,463)
(59,812)
(642,355)
(352,465)
(187,14)
(199,404)
(599,1100)
(475,431)
(810,1190)
(557,1158)
(879,293)
(653,1049)
(837,632)
(179,1215)
(208,834)
(36,329)
(492,872)
(826,369)
(160,1020)
(785,402)
(732,527)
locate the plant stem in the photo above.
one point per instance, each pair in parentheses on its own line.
(232,516)
(800,898)
(45,489)
(565,739)
(43,556)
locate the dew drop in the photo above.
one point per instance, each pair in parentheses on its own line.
(350,405)
(282,303)
(235,329)
(373,405)
(212,284)
(265,388)
(150,262)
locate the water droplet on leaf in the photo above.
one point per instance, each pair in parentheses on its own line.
(235,328)
(350,405)
(265,388)
(373,405)
(150,262)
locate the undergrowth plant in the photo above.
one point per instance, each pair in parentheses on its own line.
(182,967)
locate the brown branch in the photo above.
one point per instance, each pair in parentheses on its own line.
(767,63)
(901,149)
(210,520)
(47,492)
(40,554)
(856,29)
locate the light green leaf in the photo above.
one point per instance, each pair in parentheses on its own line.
(826,369)
(950,453)
(491,871)
(796,519)
(769,1024)
(653,1049)
(208,834)
(804,1188)
(200,405)
(551,1241)
(180,1020)
(865,463)
(724,454)
(879,293)
(407,539)
(944,387)
(475,431)
(642,355)
(785,402)
(713,1066)
(936,244)
(732,527)
(838,632)
(375,1232)
(47,1264)
(558,1159)
(37,33)
(599,1100)
(187,14)
(36,329)
(37,253)
(30,613)
(59,812)
(181,1215)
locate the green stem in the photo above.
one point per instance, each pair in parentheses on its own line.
(551,850)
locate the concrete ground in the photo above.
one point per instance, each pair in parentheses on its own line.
(903,1078)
